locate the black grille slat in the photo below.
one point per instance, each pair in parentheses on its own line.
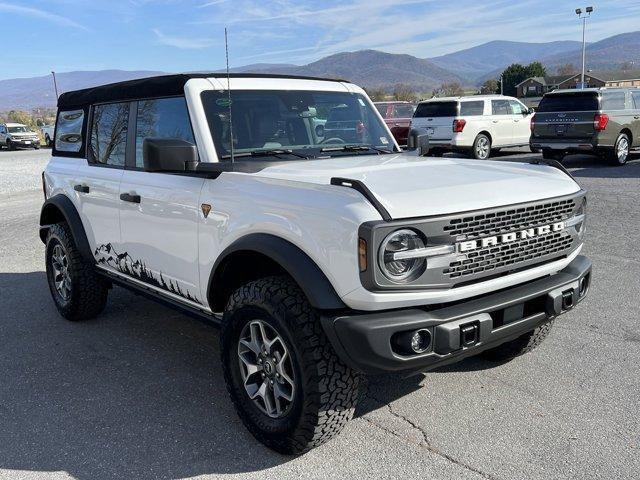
(509,220)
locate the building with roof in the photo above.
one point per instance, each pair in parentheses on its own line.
(538,86)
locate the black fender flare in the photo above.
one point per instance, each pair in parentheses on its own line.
(304,271)
(60,207)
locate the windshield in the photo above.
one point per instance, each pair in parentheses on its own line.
(21,129)
(569,102)
(301,124)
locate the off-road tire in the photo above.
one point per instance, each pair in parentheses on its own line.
(47,140)
(436,152)
(521,345)
(611,155)
(89,290)
(485,142)
(10,145)
(327,390)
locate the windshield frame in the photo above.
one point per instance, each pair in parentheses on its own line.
(300,152)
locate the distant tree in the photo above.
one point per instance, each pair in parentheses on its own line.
(448,89)
(567,69)
(403,92)
(490,86)
(516,73)
(536,69)
(377,94)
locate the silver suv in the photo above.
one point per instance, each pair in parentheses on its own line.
(13,135)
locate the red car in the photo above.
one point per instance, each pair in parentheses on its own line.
(397,116)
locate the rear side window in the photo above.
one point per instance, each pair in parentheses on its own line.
(613,100)
(436,109)
(69,131)
(571,102)
(109,125)
(162,118)
(500,107)
(472,108)
(636,99)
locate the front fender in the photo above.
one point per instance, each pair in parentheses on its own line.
(293,260)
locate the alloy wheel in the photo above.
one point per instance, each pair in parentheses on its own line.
(482,148)
(622,150)
(61,276)
(267,369)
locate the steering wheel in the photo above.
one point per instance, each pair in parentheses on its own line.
(333,140)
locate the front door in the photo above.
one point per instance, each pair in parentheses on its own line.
(501,123)
(159,212)
(521,122)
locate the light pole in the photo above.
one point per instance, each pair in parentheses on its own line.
(583,17)
(55,84)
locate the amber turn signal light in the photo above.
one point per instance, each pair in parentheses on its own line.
(362,254)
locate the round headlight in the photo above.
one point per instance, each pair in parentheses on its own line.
(401,269)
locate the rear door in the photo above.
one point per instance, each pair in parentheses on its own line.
(435,119)
(502,125)
(98,180)
(159,212)
(566,116)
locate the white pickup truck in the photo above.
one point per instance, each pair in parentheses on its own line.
(47,133)
(323,254)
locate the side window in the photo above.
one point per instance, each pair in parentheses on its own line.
(109,133)
(500,107)
(403,111)
(636,99)
(516,107)
(162,118)
(472,108)
(69,131)
(614,100)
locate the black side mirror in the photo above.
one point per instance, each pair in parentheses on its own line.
(530,111)
(419,143)
(168,154)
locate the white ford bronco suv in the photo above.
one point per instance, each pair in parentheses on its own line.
(323,254)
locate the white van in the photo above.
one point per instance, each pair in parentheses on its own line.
(476,125)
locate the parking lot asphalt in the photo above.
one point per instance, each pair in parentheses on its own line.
(139,393)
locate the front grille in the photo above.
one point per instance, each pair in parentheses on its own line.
(492,258)
(510,220)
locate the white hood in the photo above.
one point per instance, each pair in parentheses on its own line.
(410,186)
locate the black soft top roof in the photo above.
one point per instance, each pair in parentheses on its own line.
(151,87)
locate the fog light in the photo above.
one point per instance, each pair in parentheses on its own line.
(584,286)
(420,341)
(412,342)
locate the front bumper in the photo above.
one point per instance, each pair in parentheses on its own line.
(463,329)
(22,142)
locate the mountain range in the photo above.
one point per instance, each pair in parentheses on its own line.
(370,68)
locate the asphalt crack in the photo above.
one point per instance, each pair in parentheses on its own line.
(424,443)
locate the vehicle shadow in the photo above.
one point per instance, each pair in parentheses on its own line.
(137,393)
(593,167)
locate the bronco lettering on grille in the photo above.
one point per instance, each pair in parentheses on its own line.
(471,245)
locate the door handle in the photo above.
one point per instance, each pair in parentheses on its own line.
(516,120)
(495,121)
(127,197)
(636,117)
(81,188)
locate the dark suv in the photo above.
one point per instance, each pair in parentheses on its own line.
(602,121)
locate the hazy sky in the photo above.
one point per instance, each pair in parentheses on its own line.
(170,35)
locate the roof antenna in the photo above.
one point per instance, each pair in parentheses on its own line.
(226,49)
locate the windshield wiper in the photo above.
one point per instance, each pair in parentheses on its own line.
(267,153)
(354,148)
